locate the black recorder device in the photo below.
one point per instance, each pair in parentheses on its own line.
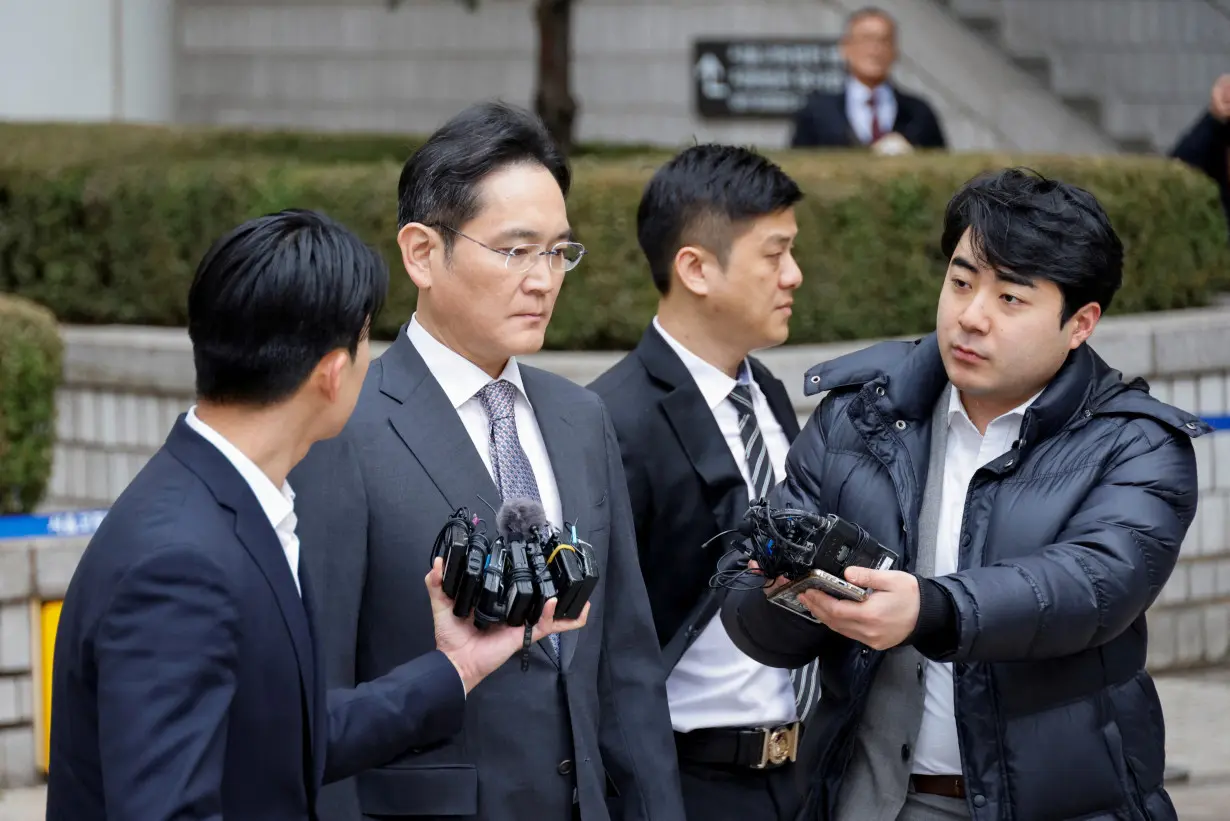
(508,579)
(812,552)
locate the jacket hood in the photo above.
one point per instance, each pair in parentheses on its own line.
(912,376)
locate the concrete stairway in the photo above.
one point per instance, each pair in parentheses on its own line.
(984,101)
(1138,70)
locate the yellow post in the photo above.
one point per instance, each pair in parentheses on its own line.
(49,619)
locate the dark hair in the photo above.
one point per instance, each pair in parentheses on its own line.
(272,297)
(869,11)
(701,197)
(439,183)
(1029,226)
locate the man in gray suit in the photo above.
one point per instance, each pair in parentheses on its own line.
(448,418)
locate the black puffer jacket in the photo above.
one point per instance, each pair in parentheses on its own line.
(1066,541)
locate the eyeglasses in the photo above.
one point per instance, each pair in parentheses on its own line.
(562,256)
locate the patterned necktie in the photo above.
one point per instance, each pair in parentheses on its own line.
(514,476)
(805,680)
(876,131)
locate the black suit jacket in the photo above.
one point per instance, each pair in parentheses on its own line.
(1206,146)
(186,684)
(684,484)
(822,122)
(592,726)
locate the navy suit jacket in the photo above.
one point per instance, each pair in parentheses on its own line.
(186,683)
(822,122)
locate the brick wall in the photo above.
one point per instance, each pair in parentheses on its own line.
(30,571)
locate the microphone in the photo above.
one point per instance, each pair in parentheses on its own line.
(522,523)
(517,519)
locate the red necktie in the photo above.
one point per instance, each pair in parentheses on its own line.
(876,131)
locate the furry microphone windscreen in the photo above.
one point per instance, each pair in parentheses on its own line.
(517,516)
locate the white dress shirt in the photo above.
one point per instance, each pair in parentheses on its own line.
(859,113)
(715,684)
(461,380)
(279,505)
(936,750)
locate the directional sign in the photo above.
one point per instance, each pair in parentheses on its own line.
(765,79)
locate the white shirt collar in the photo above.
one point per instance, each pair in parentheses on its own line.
(714,385)
(277,504)
(957,408)
(862,93)
(459,377)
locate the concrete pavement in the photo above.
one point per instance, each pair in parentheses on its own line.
(1196,707)
(1197,711)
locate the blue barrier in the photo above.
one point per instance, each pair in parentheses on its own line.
(67,523)
(1218,422)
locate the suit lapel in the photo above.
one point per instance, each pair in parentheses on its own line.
(837,101)
(905,113)
(429,426)
(319,700)
(698,433)
(561,436)
(258,537)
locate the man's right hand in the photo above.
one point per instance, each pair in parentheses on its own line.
(774,584)
(478,653)
(1219,107)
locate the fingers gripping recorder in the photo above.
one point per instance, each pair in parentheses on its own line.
(810,551)
(510,579)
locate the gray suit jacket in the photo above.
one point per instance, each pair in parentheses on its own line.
(370,503)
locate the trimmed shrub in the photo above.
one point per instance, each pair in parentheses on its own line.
(105,224)
(30,367)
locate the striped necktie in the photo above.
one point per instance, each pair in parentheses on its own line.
(805,680)
(754,451)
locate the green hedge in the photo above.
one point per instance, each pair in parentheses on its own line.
(105,224)
(30,362)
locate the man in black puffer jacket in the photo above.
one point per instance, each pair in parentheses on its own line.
(1038,502)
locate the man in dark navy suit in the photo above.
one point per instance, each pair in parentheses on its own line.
(187,683)
(869,107)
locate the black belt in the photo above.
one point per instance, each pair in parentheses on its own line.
(949,786)
(761,748)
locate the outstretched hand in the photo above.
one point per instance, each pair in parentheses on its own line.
(478,653)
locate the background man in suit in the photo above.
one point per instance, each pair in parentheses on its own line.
(703,428)
(448,418)
(1206,143)
(870,106)
(186,682)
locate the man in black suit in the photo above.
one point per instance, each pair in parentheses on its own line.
(1206,144)
(870,107)
(449,418)
(187,683)
(704,428)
